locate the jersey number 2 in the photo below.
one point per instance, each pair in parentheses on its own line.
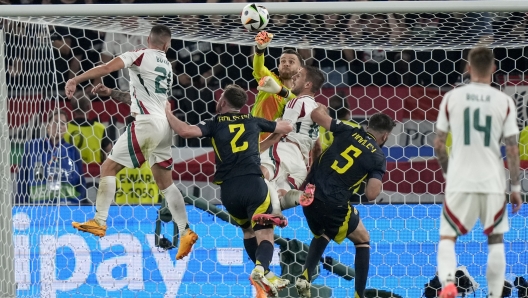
(160,78)
(486,129)
(349,158)
(239,129)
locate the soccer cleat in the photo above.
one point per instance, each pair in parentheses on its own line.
(303,287)
(186,243)
(279,283)
(449,291)
(91,227)
(308,195)
(262,284)
(270,219)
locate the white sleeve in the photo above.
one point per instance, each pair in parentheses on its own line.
(130,57)
(442,123)
(293,110)
(510,123)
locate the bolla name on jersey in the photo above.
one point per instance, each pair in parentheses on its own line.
(160,60)
(475,97)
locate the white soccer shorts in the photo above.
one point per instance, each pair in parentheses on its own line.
(285,162)
(461,211)
(149,137)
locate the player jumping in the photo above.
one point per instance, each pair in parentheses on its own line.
(243,191)
(285,164)
(354,156)
(478,116)
(149,137)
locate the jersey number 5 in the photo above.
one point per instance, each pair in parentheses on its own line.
(239,129)
(349,158)
(486,129)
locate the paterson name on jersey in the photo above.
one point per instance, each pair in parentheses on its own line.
(150,80)
(478,117)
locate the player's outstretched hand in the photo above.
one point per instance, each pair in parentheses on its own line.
(263,39)
(71,87)
(516,202)
(101,90)
(269,85)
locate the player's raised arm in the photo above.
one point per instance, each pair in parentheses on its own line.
(183,129)
(96,72)
(321,117)
(262,41)
(118,95)
(281,128)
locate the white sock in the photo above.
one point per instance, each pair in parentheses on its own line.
(496,271)
(291,199)
(176,206)
(105,197)
(274,196)
(446,260)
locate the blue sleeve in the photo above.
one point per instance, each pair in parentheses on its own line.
(81,187)
(338,126)
(266,125)
(23,176)
(379,168)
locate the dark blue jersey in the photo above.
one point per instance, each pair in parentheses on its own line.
(353,157)
(235,139)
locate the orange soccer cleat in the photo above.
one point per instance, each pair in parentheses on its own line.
(449,291)
(186,243)
(91,227)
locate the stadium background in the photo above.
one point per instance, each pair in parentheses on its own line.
(404,232)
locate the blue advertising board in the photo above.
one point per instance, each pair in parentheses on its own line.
(54,260)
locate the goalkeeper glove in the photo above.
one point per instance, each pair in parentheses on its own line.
(262,40)
(269,85)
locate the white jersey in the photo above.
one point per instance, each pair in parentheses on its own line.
(305,132)
(478,116)
(150,80)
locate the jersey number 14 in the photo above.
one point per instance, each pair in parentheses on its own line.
(475,122)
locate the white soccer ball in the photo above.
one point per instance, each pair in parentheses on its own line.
(254,18)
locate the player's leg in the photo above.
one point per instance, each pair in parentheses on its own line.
(361,239)
(315,216)
(161,164)
(494,218)
(459,215)
(270,167)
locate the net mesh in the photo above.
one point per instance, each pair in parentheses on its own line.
(400,65)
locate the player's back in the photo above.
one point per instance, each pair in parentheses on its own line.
(235,139)
(305,131)
(150,80)
(476,114)
(346,163)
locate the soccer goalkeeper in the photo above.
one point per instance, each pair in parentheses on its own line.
(274,91)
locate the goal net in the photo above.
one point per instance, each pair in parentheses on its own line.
(400,64)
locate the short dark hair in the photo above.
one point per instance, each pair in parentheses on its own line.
(481,60)
(235,96)
(81,105)
(381,123)
(56,112)
(294,52)
(160,34)
(316,76)
(338,106)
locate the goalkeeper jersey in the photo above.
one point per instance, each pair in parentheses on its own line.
(150,80)
(268,106)
(478,116)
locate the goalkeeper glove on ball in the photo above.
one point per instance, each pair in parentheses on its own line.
(262,40)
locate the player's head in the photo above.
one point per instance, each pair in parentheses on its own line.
(289,63)
(308,80)
(233,98)
(481,63)
(57,122)
(338,107)
(380,125)
(81,106)
(160,37)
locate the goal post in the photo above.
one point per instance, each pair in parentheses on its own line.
(397,57)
